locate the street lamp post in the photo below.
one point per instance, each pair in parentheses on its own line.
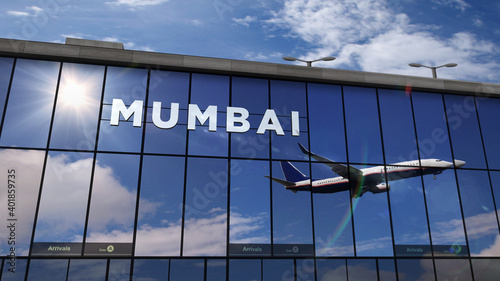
(433,68)
(309,62)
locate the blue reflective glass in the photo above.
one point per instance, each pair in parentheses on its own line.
(489,114)
(397,126)
(151,270)
(479,212)
(332,218)
(244,270)
(205,207)
(415,270)
(160,212)
(30,104)
(329,269)
(15,271)
(432,131)
(113,201)
(49,270)
(77,108)
(128,84)
(287,96)
(87,270)
(168,141)
(363,127)
(250,144)
(119,270)
(67,175)
(274,269)
(124,137)
(250,93)
(326,120)
(5,75)
(216,270)
(387,269)
(250,214)
(361,270)
(24,170)
(453,269)
(168,87)
(187,269)
(286,148)
(210,90)
(486,269)
(464,130)
(206,143)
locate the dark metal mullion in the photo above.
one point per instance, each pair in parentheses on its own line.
(385,174)
(352,191)
(310,171)
(456,177)
(8,94)
(94,161)
(228,184)
(44,168)
(139,177)
(421,176)
(270,172)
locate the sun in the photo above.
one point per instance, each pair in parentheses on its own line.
(73,94)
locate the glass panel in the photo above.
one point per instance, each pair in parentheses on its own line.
(386,270)
(372,227)
(210,90)
(432,132)
(14,272)
(127,84)
(332,217)
(409,217)
(199,138)
(495,183)
(87,270)
(30,104)
(490,128)
(77,109)
(113,201)
(250,214)
(287,96)
(160,214)
(486,269)
(150,270)
(119,270)
(464,130)
(415,270)
(292,216)
(181,270)
(479,212)
(49,270)
(278,270)
(326,121)
(363,127)
(167,141)
(362,270)
(21,175)
(285,147)
(331,269)
(455,269)
(244,270)
(250,93)
(5,75)
(216,270)
(67,175)
(305,270)
(167,87)
(205,208)
(250,144)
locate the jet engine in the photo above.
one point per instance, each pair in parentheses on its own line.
(379,188)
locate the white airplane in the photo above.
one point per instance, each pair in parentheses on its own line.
(359,180)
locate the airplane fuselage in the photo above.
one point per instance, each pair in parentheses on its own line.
(374,178)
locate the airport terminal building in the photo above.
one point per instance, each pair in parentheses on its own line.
(128,165)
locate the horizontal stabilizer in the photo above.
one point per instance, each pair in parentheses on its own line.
(280,181)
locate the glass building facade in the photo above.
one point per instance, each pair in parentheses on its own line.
(84,198)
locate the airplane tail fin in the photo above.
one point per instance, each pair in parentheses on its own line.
(291,173)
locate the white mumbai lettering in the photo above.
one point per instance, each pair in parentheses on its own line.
(236,118)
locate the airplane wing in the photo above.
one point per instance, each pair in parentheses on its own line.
(280,181)
(339,169)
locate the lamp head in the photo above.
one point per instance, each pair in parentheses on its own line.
(328,58)
(415,64)
(450,64)
(289,58)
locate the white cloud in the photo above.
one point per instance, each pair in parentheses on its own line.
(367,35)
(17,14)
(455,4)
(35,9)
(137,3)
(245,21)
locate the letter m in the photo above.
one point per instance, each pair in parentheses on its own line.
(134,109)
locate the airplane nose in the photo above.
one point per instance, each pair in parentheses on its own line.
(459,163)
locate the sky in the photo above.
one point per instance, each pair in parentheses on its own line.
(367,35)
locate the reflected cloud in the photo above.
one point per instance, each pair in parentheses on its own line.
(249,229)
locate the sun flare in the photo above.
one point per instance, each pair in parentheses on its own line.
(73,94)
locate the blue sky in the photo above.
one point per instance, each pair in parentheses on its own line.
(369,35)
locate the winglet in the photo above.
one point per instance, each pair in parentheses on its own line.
(304,150)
